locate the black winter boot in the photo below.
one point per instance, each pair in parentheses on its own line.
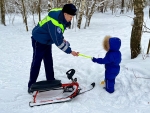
(29,91)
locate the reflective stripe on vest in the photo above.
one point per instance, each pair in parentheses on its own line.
(55,9)
(55,22)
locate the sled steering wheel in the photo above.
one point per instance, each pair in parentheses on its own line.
(70,73)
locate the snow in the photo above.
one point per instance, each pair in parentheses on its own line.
(132,88)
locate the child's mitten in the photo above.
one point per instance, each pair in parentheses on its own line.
(94,59)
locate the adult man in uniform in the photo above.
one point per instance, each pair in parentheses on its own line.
(50,31)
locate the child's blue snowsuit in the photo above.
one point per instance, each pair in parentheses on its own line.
(111,60)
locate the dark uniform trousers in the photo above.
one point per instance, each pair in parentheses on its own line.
(41,51)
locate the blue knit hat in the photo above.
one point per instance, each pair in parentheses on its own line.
(69,9)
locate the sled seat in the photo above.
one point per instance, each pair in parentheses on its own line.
(45,85)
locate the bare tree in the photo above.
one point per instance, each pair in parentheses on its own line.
(86,14)
(101,7)
(113,6)
(129,6)
(105,6)
(148,47)
(39,10)
(149,12)
(2,11)
(136,34)
(80,14)
(122,7)
(24,14)
(32,9)
(20,9)
(91,12)
(50,5)
(10,11)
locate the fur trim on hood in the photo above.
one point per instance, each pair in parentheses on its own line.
(106,42)
(111,43)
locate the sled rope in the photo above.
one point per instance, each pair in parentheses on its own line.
(85,56)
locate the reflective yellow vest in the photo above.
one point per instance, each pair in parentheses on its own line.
(55,22)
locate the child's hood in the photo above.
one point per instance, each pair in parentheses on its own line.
(114,43)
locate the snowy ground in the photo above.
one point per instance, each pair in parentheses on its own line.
(132,94)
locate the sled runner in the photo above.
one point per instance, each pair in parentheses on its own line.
(46,92)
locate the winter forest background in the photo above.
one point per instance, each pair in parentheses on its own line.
(86,8)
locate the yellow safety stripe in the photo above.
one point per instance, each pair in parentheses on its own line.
(55,22)
(56,9)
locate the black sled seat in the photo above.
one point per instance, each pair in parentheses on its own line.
(45,85)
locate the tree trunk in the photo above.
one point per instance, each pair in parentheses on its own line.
(24,14)
(148,47)
(105,6)
(39,10)
(102,7)
(113,7)
(2,9)
(86,14)
(122,7)
(136,34)
(33,6)
(91,11)
(149,12)
(81,11)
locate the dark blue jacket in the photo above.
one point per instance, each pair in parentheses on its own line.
(51,34)
(112,59)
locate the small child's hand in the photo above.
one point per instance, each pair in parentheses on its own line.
(94,59)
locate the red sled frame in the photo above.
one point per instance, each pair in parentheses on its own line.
(74,84)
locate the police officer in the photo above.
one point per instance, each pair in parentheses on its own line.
(50,31)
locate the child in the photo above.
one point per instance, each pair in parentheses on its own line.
(111,60)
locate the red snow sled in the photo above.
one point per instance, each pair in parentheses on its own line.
(50,89)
